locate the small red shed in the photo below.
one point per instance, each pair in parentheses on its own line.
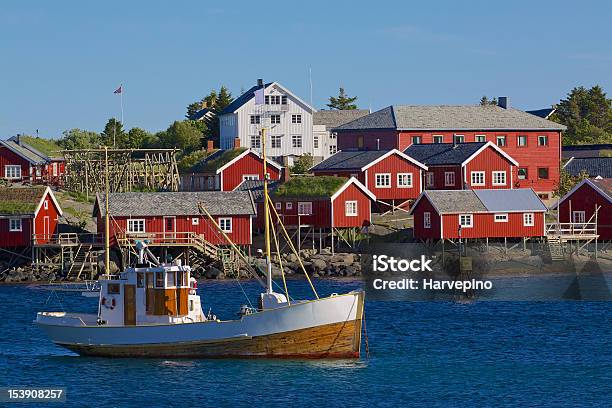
(458,166)
(21,162)
(28,215)
(392,176)
(444,214)
(580,204)
(224,170)
(174,217)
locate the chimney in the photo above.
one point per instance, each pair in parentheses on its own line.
(377,144)
(503,102)
(236,142)
(210,146)
(19,139)
(454,141)
(260,83)
(285,176)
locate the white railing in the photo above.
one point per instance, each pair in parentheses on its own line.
(572,228)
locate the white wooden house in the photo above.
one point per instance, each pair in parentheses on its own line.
(287,119)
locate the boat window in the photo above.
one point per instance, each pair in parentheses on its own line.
(191,305)
(140,279)
(113,289)
(170,279)
(179,279)
(159,279)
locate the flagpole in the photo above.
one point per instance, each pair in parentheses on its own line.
(121,94)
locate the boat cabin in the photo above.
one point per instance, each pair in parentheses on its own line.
(163,294)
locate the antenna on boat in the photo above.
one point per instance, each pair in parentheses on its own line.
(106,217)
(266,213)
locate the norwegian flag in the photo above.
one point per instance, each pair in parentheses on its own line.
(119,90)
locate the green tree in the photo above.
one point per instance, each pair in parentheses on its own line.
(587,113)
(567,181)
(484,101)
(79,139)
(113,134)
(182,135)
(342,101)
(223,100)
(136,138)
(302,164)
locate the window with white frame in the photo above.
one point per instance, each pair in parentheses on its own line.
(417,140)
(225,224)
(12,172)
(429,179)
(449,178)
(296,118)
(315,141)
(296,140)
(333,149)
(275,119)
(289,205)
(350,208)
(427,219)
(255,119)
(501,217)
(136,226)
(383,180)
(465,220)
(54,169)
(404,180)
(278,205)
(522,173)
(578,217)
(256,141)
(438,139)
(304,208)
(250,177)
(46,204)
(499,178)
(528,220)
(276,141)
(478,178)
(521,140)
(284,99)
(542,140)
(459,138)
(195,221)
(501,140)
(480,138)
(272,99)
(15,224)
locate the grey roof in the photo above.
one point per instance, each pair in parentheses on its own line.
(520,199)
(604,184)
(178,203)
(349,160)
(256,187)
(437,154)
(242,99)
(471,201)
(27,152)
(445,117)
(590,150)
(594,166)
(334,118)
(453,201)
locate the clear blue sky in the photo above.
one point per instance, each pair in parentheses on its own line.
(61,60)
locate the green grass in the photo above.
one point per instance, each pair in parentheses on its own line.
(320,186)
(187,162)
(220,160)
(81,197)
(46,146)
(16,207)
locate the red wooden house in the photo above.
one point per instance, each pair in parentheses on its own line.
(445,214)
(587,197)
(28,215)
(324,202)
(392,176)
(532,141)
(174,217)
(224,170)
(22,162)
(459,166)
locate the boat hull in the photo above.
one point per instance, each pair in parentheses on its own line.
(325,328)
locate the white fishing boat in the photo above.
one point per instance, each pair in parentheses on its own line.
(153,310)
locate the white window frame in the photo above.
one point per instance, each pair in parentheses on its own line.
(289,205)
(333,149)
(136,221)
(275,119)
(256,138)
(496,174)
(46,204)
(296,141)
(12,171)
(430,179)
(350,208)
(435,137)
(540,137)
(278,205)
(528,220)
(518,173)
(276,141)
(379,177)
(469,217)
(315,141)
(449,178)
(255,119)
(400,181)
(418,138)
(296,118)
(456,137)
(250,177)
(195,221)
(15,225)
(518,140)
(304,207)
(54,169)
(582,214)
(501,137)
(500,217)
(426,219)
(483,138)
(225,224)
(477,173)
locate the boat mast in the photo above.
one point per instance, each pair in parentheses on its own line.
(106,218)
(266,213)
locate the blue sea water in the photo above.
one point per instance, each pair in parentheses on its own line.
(421,354)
